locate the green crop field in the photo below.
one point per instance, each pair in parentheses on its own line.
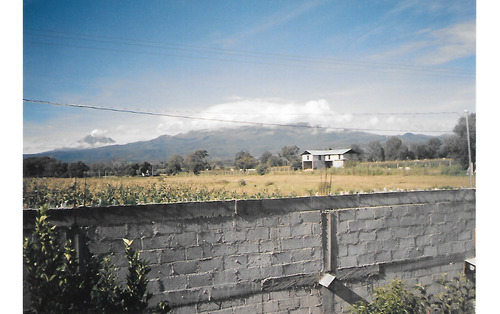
(226,185)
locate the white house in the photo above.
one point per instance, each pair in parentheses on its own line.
(321,159)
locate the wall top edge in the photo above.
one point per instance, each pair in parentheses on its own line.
(211,209)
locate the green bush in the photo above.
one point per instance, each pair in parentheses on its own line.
(58,283)
(458,297)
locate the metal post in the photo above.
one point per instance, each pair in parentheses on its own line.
(471,166)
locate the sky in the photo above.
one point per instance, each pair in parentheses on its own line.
(386,67)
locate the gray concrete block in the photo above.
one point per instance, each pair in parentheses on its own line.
(211,264)
(200,280)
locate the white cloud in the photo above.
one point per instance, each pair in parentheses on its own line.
(451,43)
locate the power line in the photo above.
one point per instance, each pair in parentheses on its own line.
(256,57)
(139,112)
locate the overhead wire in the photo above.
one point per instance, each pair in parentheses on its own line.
(257,57)
(150,113)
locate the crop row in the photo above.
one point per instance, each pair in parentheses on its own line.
(39,192)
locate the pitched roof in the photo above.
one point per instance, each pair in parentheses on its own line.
(329,152)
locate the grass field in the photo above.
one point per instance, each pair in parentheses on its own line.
(366,178)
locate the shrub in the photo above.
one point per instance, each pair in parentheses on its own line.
(58,283)
(458,297)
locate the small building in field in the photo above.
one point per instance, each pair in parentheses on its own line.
(321,159)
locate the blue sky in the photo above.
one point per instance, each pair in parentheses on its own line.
(337,64)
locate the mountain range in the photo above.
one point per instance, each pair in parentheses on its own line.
(223,144)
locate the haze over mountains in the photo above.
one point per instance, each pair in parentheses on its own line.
(220,144)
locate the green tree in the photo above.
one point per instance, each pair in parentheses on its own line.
(395,149)
(243,160)
(196,162)
(264,158)
(174,164)
(77,169)
(146,168)
(132,169)
(375,151)
(456,146)
(59,283)
(291,155)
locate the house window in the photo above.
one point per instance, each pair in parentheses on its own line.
(319,157)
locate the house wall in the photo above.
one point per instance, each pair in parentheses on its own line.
(266,256)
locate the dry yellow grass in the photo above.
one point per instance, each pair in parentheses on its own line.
(294,183)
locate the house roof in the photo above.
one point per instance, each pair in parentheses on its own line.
(341,151)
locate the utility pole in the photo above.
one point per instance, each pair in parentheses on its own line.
(471,166)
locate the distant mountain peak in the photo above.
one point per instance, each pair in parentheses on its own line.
(93,141)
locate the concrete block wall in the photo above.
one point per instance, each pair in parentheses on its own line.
(266,256)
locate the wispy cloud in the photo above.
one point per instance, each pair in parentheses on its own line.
(272,21)
(451,43)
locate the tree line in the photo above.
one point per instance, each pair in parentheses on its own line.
(393,148)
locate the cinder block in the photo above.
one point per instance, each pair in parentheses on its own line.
(235,261)
(271,306)
(259,260)
(367,236)
(357,225)
(269,246)
(111,232)
(405,242)
(272,271)
(375,224)
(249,274)
(346,214)
(311,216)
(294,268)
(295,219)
(383,256)
(302,255)
(300,230)
(245,309)
(384,234)
(185,267)
(423,240)
(348,238)
(348,261)
(364,213)
(170,227)
(140,230)
(343,227)
(208,307)
(342,251)
(400,254)
(174,283)
(281,257)
(214,250)
(366,259)
(257,234)
(205,237)
(200,280)
(172,255)
(280,232)
(157,242)
(225,277)
(248,247)
(232,235)
(289,304)
(194,252)
(356,249)
(210,264)
(430,250)
(382,212)
(458,247)
(292,243)
(151,256)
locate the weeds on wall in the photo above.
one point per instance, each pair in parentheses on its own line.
(458,296)
(58,283)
